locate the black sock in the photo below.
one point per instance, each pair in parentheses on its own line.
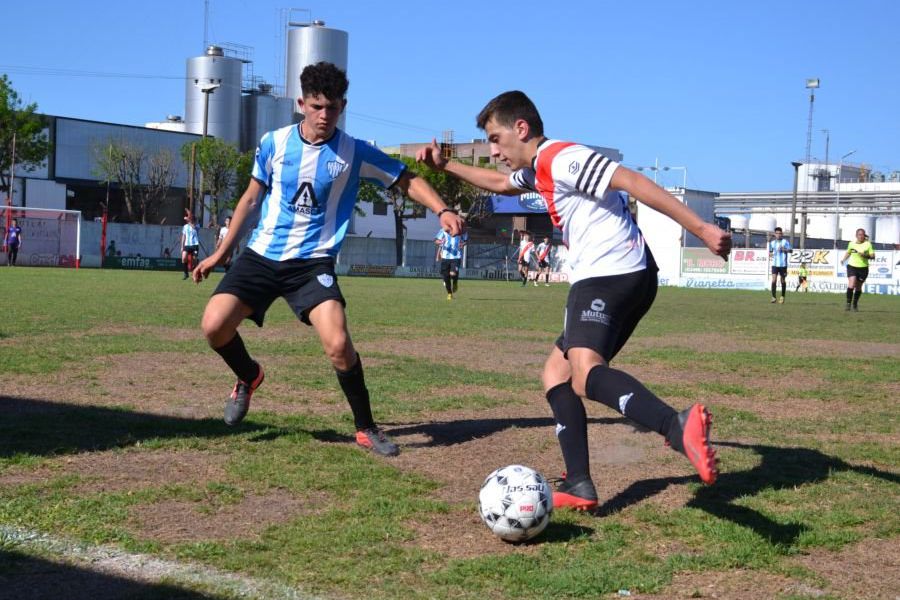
(354,385)
(571,429)
(236,356)
(185,268)
(856,296)
(773,289)
(625,394)
(849,295)
(454,279)
(447,284)
(783,284)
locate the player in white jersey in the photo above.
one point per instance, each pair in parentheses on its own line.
(190,243)
(543,259)
(613,275)
(524,255)
(304,186)
(223,231)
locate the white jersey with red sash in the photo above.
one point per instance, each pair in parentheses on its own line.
(597,226)
(526,247)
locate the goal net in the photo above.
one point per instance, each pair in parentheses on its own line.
(50,237)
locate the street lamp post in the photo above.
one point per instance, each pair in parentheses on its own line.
(656,169)
(794,200)
(206,89)
(837,198)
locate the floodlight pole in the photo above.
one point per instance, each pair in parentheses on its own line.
(837,198)
(794,200)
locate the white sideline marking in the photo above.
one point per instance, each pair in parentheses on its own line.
(146,568)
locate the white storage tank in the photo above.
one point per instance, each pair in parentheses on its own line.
(308,44)
(821,226)
(783,220)
(223,74)
(887,230)
(762,222)
(850,223)
(739,222)
(262,112)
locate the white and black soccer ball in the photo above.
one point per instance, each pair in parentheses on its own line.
(515,502)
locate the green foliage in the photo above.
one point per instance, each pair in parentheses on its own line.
(32,145)
(143,176)
(217,161)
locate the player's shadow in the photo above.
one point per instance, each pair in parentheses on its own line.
(779,468)
(450,433)
(43,428)
(23,576)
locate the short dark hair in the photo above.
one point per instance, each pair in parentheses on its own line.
(778,229)
(324,78)
(509,107)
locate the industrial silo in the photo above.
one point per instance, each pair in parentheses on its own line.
(216,78)
(887,229)
(307,44)
(739,222)
(762,222)
(850,223)
(262,112)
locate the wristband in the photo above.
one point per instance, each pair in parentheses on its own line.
(443,210)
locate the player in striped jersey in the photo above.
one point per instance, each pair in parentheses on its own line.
(449,252)
(543,258)
(303,189)
(523,257)
(190,243)
(779,249)
(613,275)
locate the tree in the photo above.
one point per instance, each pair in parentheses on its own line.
(160,177)
(243,172)
(217,162)
(122,162)
(456,193)
(32,145)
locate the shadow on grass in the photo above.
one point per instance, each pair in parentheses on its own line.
(780,468)
(43,428)
(24,577)
(449,433)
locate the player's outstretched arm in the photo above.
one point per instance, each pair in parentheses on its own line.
(717,240)
(245,206)
(421,191)
(486,179)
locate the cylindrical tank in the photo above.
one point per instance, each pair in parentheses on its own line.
(783,220)
(887,230)
(850,223)
(308,44)
(220,76)
(262,112)
(762,222)
(739,222)
(821,226)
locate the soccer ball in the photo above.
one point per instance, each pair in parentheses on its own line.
(515,502)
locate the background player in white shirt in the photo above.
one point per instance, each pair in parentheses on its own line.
(223,231)
(543,259)
(614,281)
(190,243)
(523,257)
(304,186)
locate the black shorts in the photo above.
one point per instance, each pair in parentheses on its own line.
(802,278)
(304,283)
(449,264)
(602,312)
(779,271)
(543,264)
(524,263)
(861,273)
(192,249)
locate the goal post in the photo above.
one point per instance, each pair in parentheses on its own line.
(51,237)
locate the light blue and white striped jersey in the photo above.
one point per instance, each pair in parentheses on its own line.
(311,190)
(190,235)
(779,249)
(451,244)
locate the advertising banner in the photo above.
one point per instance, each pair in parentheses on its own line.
(749,261)
(372,270)
(819,263)
(142,263)
(881,268)
(700,260)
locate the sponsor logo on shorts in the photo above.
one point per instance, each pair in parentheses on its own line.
(326,279)
(595,314)
(560,428)
(623,402)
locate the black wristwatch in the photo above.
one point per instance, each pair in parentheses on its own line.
(443,210)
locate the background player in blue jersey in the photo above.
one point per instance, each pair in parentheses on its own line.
(779,249)
(303,188)
(449,252)
(190,243)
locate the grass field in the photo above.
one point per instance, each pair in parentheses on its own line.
(111,437)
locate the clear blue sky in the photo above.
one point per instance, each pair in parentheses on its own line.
(716,87)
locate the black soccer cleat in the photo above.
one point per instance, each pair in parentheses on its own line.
(238,403)
(578,495)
